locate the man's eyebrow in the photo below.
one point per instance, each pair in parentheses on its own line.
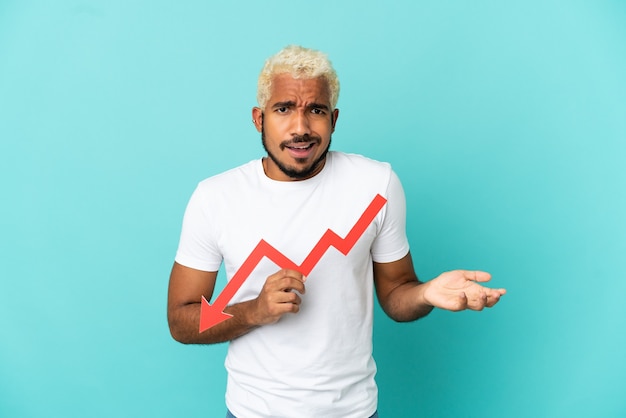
(291,104)
(283,104)
(318,106)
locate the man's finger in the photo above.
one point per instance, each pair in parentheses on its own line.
(494,296)
(286,280)
(293,273)
(290,297)
(287,284)
(477,276)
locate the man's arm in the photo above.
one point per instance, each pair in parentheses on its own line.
(404,298)
(187,286)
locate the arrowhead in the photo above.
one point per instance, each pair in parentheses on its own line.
(210,315)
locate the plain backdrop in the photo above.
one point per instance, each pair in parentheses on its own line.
(506,122)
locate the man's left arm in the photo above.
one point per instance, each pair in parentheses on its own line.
(404,298)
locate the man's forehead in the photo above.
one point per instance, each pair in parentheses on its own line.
(305,88)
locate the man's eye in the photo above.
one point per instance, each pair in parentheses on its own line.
(317,111)
(281,109)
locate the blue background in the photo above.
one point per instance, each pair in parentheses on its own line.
(506,122)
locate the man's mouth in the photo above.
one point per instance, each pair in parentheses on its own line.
(300,147)
(300,150)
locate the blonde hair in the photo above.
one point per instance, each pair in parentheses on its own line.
(298,62)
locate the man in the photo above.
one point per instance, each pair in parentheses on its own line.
(302,346)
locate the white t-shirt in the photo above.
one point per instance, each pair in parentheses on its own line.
(318,362)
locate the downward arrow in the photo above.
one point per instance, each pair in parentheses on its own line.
(211,315)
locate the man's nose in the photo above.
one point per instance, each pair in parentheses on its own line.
(300,124)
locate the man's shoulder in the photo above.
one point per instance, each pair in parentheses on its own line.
(344,160)
(244,172)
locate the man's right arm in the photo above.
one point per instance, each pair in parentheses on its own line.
(187,286)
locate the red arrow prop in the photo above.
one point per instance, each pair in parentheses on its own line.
(211,315)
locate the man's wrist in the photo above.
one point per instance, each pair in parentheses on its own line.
(422,295)
(243,313)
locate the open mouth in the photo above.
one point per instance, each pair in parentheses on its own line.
(300,150)
(300,147)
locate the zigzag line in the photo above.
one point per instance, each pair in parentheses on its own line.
(263,249)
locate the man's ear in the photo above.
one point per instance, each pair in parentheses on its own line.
(335,116)
(257,118)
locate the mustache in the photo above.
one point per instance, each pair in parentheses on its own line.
(298,139)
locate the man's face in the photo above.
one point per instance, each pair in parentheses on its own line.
(296,127)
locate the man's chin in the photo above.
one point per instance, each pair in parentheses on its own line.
(302,170)
(298,174)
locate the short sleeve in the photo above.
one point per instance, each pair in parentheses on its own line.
(392,244)
(197,247)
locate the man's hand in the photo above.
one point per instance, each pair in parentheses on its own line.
(460,289)
(277,297)
(188,286)
(404,298)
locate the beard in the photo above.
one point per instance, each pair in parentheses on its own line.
(291,172)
